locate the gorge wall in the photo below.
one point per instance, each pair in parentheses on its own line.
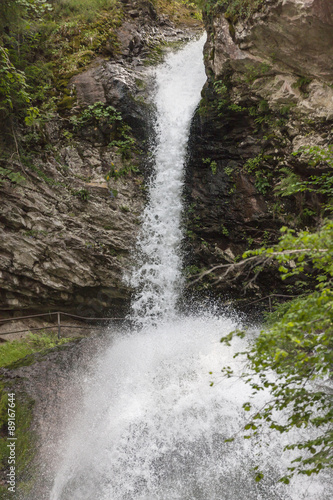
(66,229)
(264,124)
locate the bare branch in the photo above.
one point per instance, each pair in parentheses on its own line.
(263,259)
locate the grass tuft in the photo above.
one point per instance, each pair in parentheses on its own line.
(11,352)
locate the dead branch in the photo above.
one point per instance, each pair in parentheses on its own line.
(263,260)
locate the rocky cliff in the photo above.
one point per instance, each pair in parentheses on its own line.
(263,128)
(70,222)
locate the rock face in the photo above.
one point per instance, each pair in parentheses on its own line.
(67,231)
(52,384)
(268,95)
(66,242)
(301,31)
(293,38)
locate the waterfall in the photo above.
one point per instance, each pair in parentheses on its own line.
(157,276)
(150,427)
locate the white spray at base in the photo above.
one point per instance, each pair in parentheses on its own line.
(151,427)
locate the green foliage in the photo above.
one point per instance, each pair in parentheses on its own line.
(222,91)
(263,181)
(236,108)
(20,86)
(3,405)
(291,183)
(107,118)
(316,155)
(25,451)
(17,11)
(302,83)
(224,230)
(263,176)
(125,142)
(156,53)
(255,71)
(229,170)
(192,270)
(82,9)
(297,346)
(27,161)
(82,194)
(11,175)
(32,116)
(285,110)
(11,352)
(96,114)
(36,48)
(212,164)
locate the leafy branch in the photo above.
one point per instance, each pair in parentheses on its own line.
(292,358)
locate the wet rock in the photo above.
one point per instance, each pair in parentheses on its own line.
(268,95)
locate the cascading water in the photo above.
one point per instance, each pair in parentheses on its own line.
(150,427)
(157,277)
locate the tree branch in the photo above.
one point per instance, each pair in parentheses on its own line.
(262,259)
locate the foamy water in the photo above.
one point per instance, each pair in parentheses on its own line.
(157,275)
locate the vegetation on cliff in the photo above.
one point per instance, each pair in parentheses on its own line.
(42,45)
(233,9)
(26,451)
(297,347)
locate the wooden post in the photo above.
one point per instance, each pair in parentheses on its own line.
(270,303)
(59,325)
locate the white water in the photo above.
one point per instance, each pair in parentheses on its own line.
(151,427)
(157,277)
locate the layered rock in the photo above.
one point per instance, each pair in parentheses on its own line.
(67,231)
(66,241)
